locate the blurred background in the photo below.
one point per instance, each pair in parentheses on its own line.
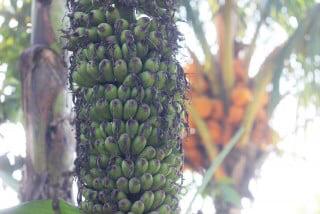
(254,73)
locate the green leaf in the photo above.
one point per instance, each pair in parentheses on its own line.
(298,44)
(41,206)
(12,43)
(230,195)
(226,181)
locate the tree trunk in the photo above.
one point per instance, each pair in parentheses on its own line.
(50,144)
(240,164)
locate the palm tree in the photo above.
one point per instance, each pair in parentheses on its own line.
(224,97)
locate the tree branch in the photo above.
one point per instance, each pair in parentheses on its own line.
(263,15)
(227,49)
(209,66)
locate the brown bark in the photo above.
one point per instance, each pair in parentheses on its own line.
(50,141)
(48,133)
(42,31)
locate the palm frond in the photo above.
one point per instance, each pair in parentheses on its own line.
(209,66)
(305,41)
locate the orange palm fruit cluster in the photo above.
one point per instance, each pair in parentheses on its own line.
(222,116)
(235,114)
(217,109)
(203,104)
(215,131)
(241,95)
(196,78)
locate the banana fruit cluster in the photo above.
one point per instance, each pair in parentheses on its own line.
(129,94)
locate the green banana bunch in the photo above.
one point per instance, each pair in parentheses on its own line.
(129,94)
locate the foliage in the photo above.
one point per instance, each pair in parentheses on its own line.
(286,12)
(299,62)
(41,206)
(15,23)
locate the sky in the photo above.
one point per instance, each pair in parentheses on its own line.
(286,183)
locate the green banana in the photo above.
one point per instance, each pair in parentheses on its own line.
(97,16)
(148,153)
(138,145)
(123,184)
(154,166)
(159,197)
(120,70)
(147,198)
(130,109)
(124,93)
(135,65)
(111,92)
(143,112)
(132,126)
(115,172)
(106,69)
(159,181)
(124,143)
(147,78)
(104,30)
(137,207)
(134,185)
(141,166)
(146,181)
(124,205)
(129,102)
(127,167)
(116,108)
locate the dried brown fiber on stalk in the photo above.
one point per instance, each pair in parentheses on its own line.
(129,94)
